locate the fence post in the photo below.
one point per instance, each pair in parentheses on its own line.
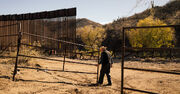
(64,56)
(153,53)
(122,63)
(66,29)
(98,67)
(170,53)
(18,47)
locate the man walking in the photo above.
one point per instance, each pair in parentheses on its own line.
(106,61)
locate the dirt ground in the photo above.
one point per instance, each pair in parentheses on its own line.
(47,77)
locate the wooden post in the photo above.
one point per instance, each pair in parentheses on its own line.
(122,63)
(98,67)
(18,46)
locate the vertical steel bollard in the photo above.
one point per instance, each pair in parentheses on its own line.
(122,63)
(18,47)
(98,67)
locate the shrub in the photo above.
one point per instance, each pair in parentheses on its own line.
(151,37)
(26,50)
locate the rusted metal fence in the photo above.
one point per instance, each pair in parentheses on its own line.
(5,43)
(124,49)
(58,24)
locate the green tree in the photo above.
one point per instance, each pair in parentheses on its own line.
(151,37)
(91,36)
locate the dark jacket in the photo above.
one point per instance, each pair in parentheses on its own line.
(106,59)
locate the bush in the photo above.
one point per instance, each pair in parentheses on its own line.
(151,37)
(26,50)
(91,36)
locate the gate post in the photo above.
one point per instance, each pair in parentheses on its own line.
(65,45)
(122,63)
(64,57)
(18,46)
(98,67)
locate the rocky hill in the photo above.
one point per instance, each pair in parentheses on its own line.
(84,22)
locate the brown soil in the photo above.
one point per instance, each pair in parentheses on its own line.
(49,78)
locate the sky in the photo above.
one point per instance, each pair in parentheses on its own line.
(101,11)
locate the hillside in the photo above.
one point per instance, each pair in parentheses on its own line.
(169,13)
(84,22)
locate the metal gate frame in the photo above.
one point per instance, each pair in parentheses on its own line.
(124,48)
(20,34)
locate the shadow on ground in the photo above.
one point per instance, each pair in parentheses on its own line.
(40,69)
(68,83)
(4,76)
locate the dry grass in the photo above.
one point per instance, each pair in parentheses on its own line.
(24,50)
